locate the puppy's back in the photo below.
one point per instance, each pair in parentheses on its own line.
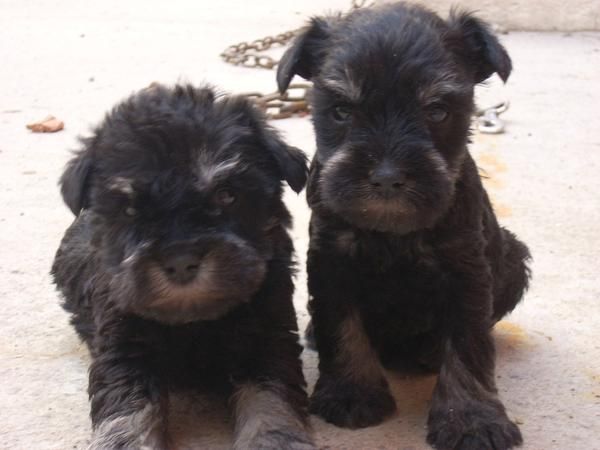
(74,272)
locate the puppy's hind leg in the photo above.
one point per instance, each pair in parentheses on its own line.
(515,275)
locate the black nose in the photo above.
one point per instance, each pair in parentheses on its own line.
(387,178)
(181,268)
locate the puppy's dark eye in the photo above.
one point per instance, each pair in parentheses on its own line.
(436,113)
(224,197)
(341,113)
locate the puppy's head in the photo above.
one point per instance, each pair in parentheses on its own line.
(185,194)
(392,100)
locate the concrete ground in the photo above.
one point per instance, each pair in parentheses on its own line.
(75,59)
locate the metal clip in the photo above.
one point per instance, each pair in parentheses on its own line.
(488,120)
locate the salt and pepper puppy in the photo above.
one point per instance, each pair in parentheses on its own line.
(178,267)
(407,264)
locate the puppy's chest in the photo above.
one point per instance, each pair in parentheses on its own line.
(211,352)
(403,284)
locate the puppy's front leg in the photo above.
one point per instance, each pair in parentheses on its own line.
(127,399)
(265,419)
(351,390)
(269,400)
(466,413)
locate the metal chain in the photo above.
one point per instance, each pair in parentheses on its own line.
(293,102)
(244,53)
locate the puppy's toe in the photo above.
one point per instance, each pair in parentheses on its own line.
(350,405)
(468,432)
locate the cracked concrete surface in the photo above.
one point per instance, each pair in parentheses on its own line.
(75,59)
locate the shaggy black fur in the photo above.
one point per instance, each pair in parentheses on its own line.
(178,267)
(407,263)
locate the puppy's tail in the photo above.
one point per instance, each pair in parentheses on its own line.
(516,275)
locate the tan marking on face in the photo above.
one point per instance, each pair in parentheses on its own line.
(122,184)
(337,158)
(440,164)
(203,289)
(133,257)
(388,209)
(209,169)
(344,84)
(443,86)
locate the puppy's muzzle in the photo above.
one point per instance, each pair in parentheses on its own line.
(183,281)
(387,180)
(181,268)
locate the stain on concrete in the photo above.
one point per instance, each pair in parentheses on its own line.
(511,337)
(501,209)
(491,168)
(549,338)
(491,162)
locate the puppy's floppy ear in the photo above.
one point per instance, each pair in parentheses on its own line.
(305,54)
(74,182)
(477,46)
(292,161)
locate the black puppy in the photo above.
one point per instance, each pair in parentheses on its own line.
(407,263)
(178,267)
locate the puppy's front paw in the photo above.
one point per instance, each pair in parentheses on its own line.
(277,440)
(126,441)
(141,430)
(480,427)
(347,404)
